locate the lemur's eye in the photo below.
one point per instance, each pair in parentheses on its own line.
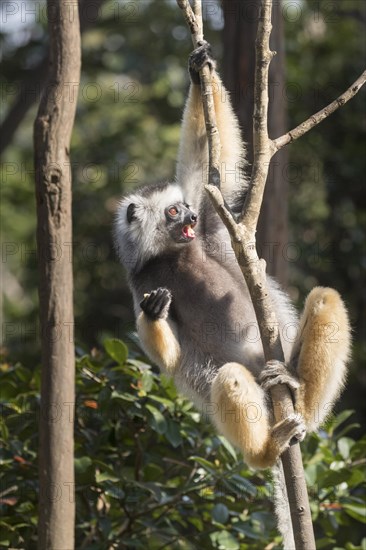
(173,211)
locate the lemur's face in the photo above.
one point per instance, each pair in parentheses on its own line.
(180,222)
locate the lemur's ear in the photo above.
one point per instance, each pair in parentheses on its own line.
(131,212)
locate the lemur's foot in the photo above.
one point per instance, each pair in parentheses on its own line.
(289,431)
(156,304)
(200,57)
(275,373)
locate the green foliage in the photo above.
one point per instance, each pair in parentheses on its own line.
(147,471)
(150,474)
(335,474)
(126,133)
(327,166)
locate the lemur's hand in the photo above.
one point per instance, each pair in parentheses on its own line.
(275,373)
(289,431)
(293,428)
(200,57)
(156,304)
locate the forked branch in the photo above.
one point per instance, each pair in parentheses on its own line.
(194,22)
(318,117)
(242,234)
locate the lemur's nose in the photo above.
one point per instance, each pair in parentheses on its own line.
(194,218)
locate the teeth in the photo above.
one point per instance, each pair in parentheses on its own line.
(188,231)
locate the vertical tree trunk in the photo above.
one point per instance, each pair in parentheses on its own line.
(241,23)
(52,132)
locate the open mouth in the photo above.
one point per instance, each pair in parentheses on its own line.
(188,232)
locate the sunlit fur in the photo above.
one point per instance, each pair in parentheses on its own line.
(320,353)
(208,289)
(192,175)
(199,339)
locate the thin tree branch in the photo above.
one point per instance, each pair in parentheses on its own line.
(261,142)
(197,8)
(243,241)
(214,147)
(254,270)
(223,211)
(318,117)
(190,18)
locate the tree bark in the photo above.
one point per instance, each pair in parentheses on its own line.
(240,30)
(52,133)
(243,239)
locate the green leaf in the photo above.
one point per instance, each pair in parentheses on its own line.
(116,349)
(147,381)
(348,428)
(173,433)
(223,540)
(359,449)
(220,513)
(240,486)
(4,430)
(230,449)
(124,396)
(159,423)
(334,477)
(9,390)
(356,478)
(335,422)
(205,463)
(105,476)
(153,472)
(344,446)
(246,528)
(23,374)
(115,492)
(356,511)
(168,403)
(154,489)
(196,522)
(82,464)
(311,474)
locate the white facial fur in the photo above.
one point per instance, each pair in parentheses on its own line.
(145,236)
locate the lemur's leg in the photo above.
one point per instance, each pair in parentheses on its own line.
(157,333)
(320,354)
(192,157)
(317,367)
(239,411)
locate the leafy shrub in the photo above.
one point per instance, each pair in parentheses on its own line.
(150,474)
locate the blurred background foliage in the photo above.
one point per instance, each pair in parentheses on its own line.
(133,86)
(126,133)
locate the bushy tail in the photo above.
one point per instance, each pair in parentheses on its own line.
(282,507)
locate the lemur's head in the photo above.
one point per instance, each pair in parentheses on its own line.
(151,221)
